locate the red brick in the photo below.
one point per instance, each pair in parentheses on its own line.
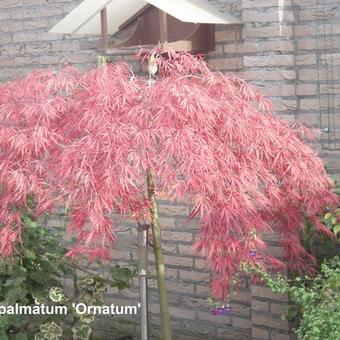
(207,316)
(280,105)
(121,254)
(309,104)
(10,50)
(272,237)
(225,35)
(226,64)
(178,261)
(183,223)
(289,118)
(330,59)
(257,305)
(167,222)
(65,46)
(203,290)
(36,24)
(37,48)
(52,59)
(280,90)
(10,3)
(201,264)
(312,74)
(177,236)
(305,30)
(268,321)
(5,62)
(240,309)
(181,313)
(272,15)
(241,296)
(229,333)
(332,163)
(259,333)
(266,292)
(194,276)
(218,51)
(186,250)
(173,210)
(182,288)
(329,88)
(268,31)
(241,323)
(312,44)
(234,48)
(276,251)
(263,74)
(34,2)
(170,248)
(271,45)
(154,308)
(11,26)
(263,3)
(195,303)
(313,13)
(309,119)
(278,308)
(37,12)
(24,37)
(279,336)
(305,59)
(306,89)
(268,60)
(80,58)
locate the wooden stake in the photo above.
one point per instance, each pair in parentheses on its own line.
(163,22)
(103,23)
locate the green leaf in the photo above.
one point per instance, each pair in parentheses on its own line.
(39,336)
(121,274)
(3,335)
(15,294)
(30,254)
(336,229)
(81,332)
(4,321)
(328,216)
(21,336)
(120,285)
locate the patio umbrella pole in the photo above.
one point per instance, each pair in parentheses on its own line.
(143,278)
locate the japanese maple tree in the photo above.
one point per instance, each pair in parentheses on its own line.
(99,141)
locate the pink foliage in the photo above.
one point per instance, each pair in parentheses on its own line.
(88,140)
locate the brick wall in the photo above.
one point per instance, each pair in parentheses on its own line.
(25,43)
(290,50)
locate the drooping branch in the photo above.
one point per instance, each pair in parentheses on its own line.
(88,140)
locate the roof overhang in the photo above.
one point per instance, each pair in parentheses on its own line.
(86,18)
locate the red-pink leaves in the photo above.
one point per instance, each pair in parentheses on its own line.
(87,140)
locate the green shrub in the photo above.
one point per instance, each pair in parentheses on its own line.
(318,299)
(34,276)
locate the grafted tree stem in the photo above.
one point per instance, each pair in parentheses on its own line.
(157,247)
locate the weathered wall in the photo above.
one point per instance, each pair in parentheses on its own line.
(289,49)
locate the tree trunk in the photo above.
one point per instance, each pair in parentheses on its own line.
(157,247)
